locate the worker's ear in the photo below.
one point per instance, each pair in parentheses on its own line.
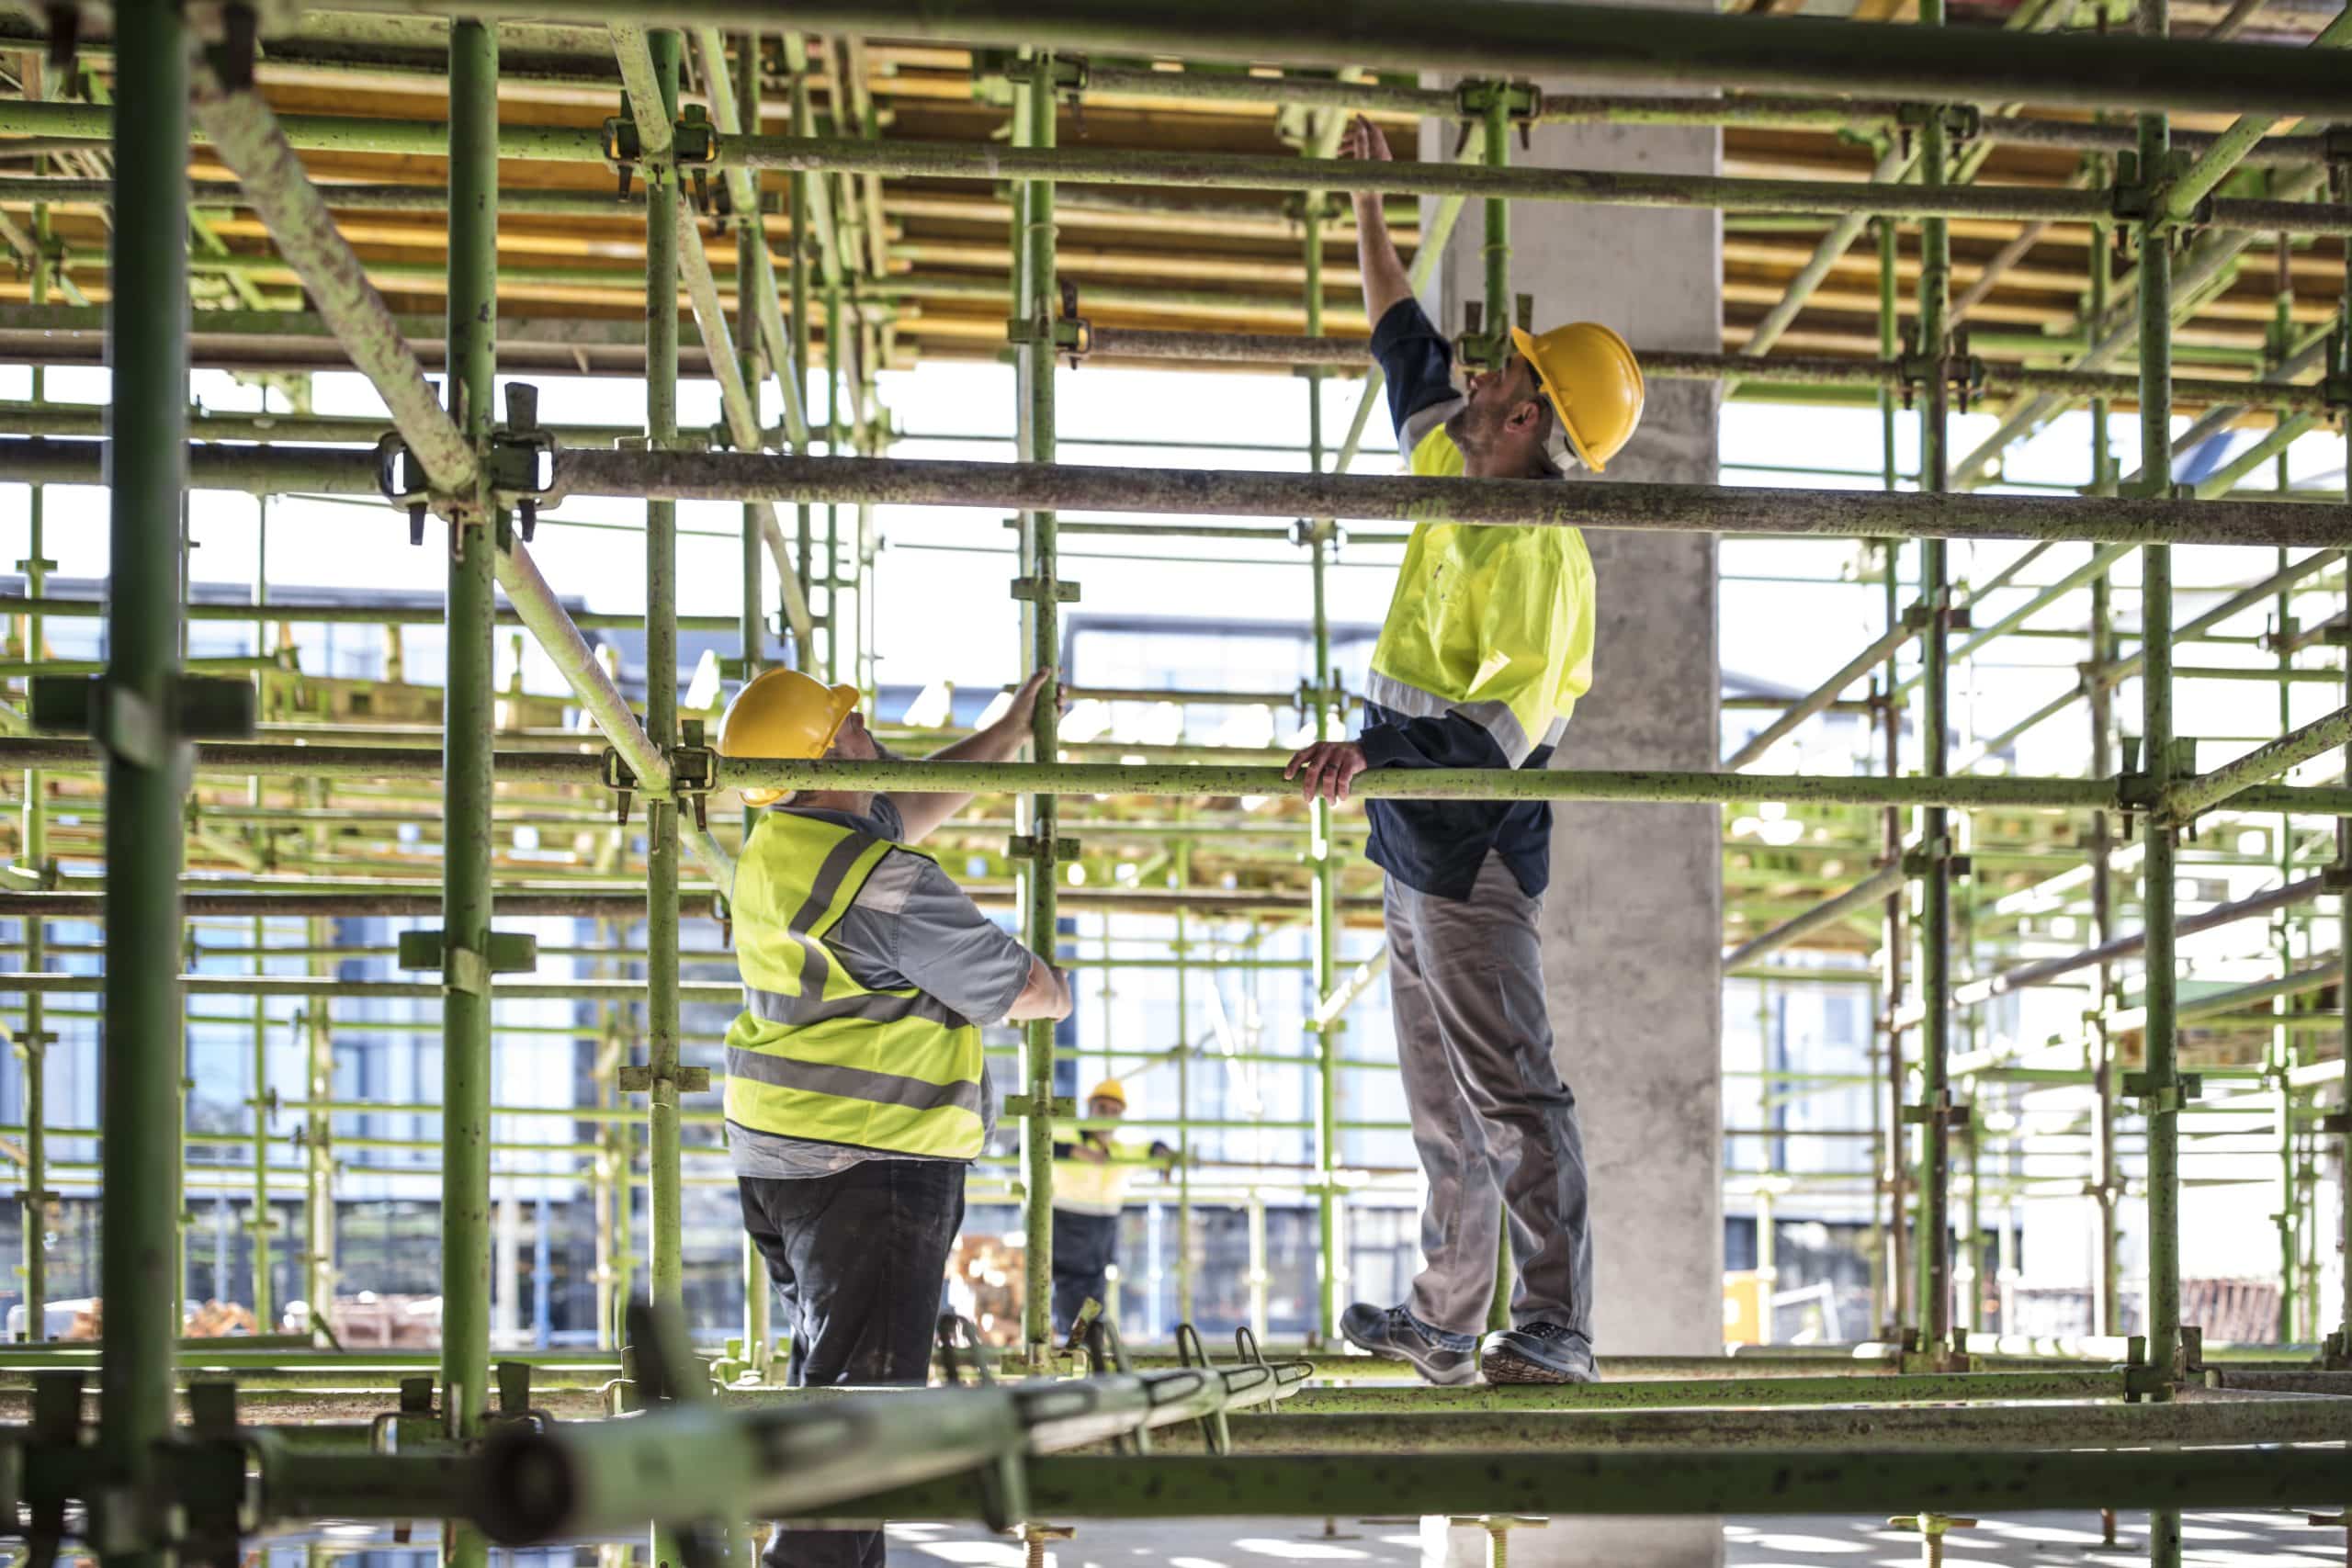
(1524,416)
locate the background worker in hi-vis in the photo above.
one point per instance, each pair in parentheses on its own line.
(1485,650)
(858,1092)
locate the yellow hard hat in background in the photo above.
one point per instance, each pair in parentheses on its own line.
(1595,385)
(781,713)
(1110,1089)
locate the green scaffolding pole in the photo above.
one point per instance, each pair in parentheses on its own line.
(2341,179)
(1037,308)
(1331,1260)
(665,1216)
(1935,1110)
(470,720)
(2160,1089)
(147,350)
(33,1042)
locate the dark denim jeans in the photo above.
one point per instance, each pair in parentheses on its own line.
(1085,1245)
(859,1259)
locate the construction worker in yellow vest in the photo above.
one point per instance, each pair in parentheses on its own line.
(857,1091)
(1091,1180)
(1487,646)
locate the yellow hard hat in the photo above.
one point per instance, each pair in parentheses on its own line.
(781,713)
(1110,1089)
(1595,385)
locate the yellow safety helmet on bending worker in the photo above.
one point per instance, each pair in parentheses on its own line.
(1110,1089)
(1595,385)
(783,713)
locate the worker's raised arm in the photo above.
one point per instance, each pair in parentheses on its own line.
(998,742)
(1384,282)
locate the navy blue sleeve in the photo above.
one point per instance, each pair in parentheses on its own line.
(1415,358)
(1448,741)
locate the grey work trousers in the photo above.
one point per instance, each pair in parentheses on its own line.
(1494,1126)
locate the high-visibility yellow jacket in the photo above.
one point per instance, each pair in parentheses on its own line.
(1493,622)
(815,1055)
(1082,1187)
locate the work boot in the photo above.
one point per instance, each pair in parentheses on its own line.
(1538,1352)
(1393,1332)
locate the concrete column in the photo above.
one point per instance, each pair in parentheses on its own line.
(1633,925)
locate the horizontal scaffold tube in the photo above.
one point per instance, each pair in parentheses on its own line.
(1639,1481)
(1962,791)
(1515,40)
(1272,348)
(687,1463)
(1239,171)
(1033,487)
(1905,1427)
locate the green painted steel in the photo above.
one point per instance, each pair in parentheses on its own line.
(664,1215)
(947,161)
(1730,510)
(2183,799)
(147,349)
(2185,193)
(1935,1427)
(1038,306)
(1643,1481)
(470,725)
(2161,1089)
(1484,36)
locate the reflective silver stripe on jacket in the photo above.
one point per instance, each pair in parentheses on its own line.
(1495,718)
(816,964)
(872,1007)
(852,1083)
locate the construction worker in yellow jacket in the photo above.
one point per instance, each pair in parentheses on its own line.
(1488,644)
(1092,1174)
(858,1092)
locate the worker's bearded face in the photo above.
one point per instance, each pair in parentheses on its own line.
(1495,419)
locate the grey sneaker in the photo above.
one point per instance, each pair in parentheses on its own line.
(1540,1352)
(1393,1332)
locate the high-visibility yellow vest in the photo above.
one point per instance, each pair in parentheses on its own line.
(814,1054)
(1082,1187)
(1490,620)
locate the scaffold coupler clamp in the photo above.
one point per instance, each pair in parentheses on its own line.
(616,777)
(1066,332)
(519,464)
(694,149)
(2170,1093)
(2335,383)
(1307,532)
(1044,845)
(2140,190)
(400,479)
(693,772)
(130,728)
(229,32)
(1521,102)
(623,148)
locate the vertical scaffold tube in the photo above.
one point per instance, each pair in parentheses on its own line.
(2160,1090)
(665,1213)
(2106,1280)
(759,1296)
(471,724)
(33,1218)
(2341,177)
(1036,303)
(1330,1255)
(1935,1237)
(147,472)
(1896,1173)
(318,1207)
